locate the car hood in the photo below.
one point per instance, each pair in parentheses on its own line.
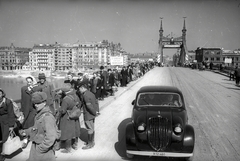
(143,114)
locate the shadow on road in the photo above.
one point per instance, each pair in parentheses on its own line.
(120,146)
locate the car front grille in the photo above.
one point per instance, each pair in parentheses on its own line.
(158,133)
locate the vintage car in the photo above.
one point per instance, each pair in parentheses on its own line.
(159,124)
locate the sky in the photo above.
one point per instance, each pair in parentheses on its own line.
(134,24)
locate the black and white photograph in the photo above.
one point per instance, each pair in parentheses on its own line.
(119,80)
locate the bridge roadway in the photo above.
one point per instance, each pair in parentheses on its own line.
(213,109)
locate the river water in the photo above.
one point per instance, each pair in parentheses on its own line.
(12,86)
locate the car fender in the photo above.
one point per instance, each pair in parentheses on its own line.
(189,138)
(130,135)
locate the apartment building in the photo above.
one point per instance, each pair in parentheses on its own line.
(217,56)
(213,55)
(234,55)
(63,56)
(60,56)
(42,57)
(13,58)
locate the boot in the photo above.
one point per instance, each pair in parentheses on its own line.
(68,146)
(75,143)
(90,142)
(57,145)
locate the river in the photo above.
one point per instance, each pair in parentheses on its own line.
(12,86)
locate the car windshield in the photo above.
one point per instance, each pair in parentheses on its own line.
(159,99)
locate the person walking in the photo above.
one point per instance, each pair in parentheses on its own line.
(26,104)
(7,118)
(44,132)
(48,88)
(70,128)
(91,106)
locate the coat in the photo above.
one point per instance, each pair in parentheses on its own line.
(111,79)
(89,101)
(94,82)
(69,128)
(124,74)
(27,108)
(7,118)
(48,88)
(43,135)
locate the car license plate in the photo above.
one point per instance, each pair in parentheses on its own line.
(158,154)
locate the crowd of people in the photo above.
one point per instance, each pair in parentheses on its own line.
(47,112)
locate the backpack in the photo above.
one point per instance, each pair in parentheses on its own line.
(75,112)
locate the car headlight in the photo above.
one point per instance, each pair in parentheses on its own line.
(141,127)
(178,129)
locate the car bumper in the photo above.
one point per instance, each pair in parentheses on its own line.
(162,154)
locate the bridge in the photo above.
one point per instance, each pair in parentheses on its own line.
(177,43)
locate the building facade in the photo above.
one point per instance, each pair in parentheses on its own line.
(217,56)
(213,55)
(233,55)
(60,57)
(41,57)
(13,58)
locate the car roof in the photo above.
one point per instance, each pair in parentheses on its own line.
(171,89)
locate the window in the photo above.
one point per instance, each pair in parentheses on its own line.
(218,59)
(159,99)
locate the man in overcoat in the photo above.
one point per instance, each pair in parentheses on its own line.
(111,81)
(48,88)
(124,74)
(44,132)
(70,129)
(26,104)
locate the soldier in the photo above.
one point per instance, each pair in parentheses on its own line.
(90,109)
(44,133)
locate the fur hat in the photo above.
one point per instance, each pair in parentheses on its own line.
(39,97)
(41,76)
